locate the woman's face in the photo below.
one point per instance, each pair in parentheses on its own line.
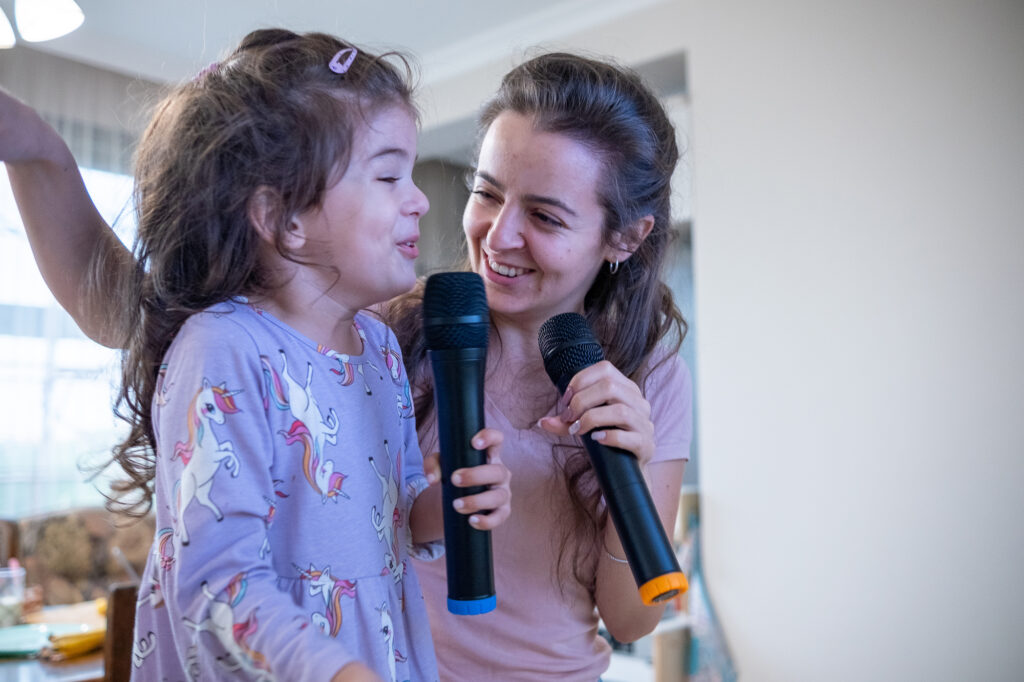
(533,223)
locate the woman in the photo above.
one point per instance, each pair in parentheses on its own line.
(569,211)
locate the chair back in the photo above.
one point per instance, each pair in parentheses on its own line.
(117,647)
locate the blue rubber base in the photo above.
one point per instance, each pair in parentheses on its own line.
(474,607)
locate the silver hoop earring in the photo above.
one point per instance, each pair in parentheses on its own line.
(613,267)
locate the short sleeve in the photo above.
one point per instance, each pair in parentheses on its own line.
(669,389)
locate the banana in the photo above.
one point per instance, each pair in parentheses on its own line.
(74,644)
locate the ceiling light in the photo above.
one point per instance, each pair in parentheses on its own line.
(6,32)
(40,20)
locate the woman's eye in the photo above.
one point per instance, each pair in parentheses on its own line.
(388,179)
(547,220)
(483,194)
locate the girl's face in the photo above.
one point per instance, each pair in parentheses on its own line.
(533,222)
(368,225)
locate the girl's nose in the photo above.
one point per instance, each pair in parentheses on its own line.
(418,204)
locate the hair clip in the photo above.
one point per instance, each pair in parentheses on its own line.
(210,68)
(338,66)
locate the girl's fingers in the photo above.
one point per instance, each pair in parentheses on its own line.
(490,474)
(489,521)
(490,440)
(432,467)
(491,506)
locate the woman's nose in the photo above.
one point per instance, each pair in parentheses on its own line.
(506,231)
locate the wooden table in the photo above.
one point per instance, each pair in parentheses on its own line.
(87,668)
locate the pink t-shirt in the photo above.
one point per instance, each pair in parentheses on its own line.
(540,630)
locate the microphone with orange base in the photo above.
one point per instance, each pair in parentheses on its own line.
(568,346)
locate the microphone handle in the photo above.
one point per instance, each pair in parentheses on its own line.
(459,400)
(635,517)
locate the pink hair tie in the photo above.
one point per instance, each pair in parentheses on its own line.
(210,68)
(349,55)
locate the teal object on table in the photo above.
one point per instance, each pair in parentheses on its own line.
(29,640)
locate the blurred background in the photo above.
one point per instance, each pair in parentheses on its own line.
(851,207)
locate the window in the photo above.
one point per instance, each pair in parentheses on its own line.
(56,386)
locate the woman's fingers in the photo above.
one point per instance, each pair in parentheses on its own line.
(602,401)
(602,384)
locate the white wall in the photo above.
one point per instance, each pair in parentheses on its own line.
(457,82)
(859,257)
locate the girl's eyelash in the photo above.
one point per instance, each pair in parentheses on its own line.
(484,194)
(388,179)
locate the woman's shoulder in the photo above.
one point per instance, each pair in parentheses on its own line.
(666,370)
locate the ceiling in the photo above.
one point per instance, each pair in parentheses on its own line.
(461,50)
(169,41)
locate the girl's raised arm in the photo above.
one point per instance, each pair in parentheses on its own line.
(81,259)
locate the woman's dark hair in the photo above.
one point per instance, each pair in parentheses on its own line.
(272,117)
(608,109)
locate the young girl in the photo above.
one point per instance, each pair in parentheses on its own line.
(274,435)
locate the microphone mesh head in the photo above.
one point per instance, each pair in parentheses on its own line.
(567,345)
(455,313)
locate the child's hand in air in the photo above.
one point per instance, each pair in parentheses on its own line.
(23,135)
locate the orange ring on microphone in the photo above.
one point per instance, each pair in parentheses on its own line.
(663,587)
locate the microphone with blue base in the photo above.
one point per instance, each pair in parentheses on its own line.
(568,346)
(456,324)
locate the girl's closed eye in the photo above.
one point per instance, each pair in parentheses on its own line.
(484,194)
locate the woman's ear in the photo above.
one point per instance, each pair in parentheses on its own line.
(626,242)
(264,211)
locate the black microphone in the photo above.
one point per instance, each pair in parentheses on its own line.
(456,325)
(568,346)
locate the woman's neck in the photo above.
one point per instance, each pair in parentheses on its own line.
(516,381)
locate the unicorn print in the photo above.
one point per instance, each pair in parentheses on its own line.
(393,362)
(388,630)
(309,427)
(143,647)
(344,368)
(203,453)
(161,389)
(165,548)
(164,553)
(331,589)
(404,401)
(387,521)
(233,635)
(269,518)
